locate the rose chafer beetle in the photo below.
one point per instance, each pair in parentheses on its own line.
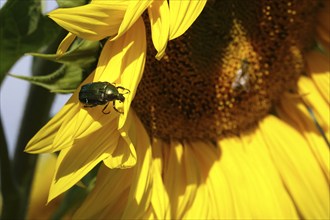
(101,93)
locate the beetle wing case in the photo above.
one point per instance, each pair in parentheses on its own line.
(92,94)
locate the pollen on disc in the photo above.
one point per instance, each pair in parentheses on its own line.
(227,71)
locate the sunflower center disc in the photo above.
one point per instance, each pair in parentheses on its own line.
(227,71)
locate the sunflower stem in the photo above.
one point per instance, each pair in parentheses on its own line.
(36,114)
(9,189)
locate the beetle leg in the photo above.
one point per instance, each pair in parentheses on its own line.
(89,106)
(120,87)
(105,108)
(114,107)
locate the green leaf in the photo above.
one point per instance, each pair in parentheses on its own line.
(77,63)
(71,3)
(23,29)
(64,80)
(82,52)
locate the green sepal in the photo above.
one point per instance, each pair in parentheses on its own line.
(82,52)
(64,80)
(71,3)
(77,62)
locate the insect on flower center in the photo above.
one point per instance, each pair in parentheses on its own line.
(227,71)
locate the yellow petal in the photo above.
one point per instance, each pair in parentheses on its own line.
(214,198)
(316,102)
(183,14)
(109,196)
(133,13)
(83,123)
(298,168)
(140,192)
(256,189)
(293,111)
(93,21)
(202,205)
(41,182)
(160,26)
(322,82)
(122,61)
(159,197)
(64,136)
(134,63)
(42,141)
(180,179)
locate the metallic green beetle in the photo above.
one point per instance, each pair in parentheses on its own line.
(101,93)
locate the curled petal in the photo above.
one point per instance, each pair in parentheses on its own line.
(65,44)
(159,14)
(122,193)
(140,192)
(124,156)
(75,162)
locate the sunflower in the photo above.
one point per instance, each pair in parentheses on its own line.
(227,119)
